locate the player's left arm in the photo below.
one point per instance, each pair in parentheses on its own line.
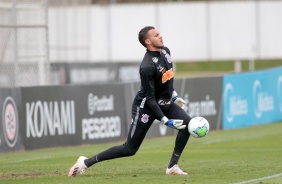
(175,97)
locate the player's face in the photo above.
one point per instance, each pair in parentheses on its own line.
(154,40)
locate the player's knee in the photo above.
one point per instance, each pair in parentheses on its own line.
(130,151)
(186,121)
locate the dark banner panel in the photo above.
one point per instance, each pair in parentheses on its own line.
(11,120)
(203,98)
(73,115)
(77,73)
(52,116)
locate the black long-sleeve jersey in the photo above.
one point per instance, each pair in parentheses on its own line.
(156,74)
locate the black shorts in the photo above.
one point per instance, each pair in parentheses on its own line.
(142,119)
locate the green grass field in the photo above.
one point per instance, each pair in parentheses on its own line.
(230,156)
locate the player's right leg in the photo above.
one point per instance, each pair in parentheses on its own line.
(175,112)
(175,170)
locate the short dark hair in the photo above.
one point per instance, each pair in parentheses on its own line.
(143,34)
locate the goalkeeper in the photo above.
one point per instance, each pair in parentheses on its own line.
(157,99)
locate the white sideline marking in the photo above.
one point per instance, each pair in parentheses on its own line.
(258,179)
(28,159)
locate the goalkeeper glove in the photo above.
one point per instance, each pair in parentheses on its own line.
(173,123)
(177,100)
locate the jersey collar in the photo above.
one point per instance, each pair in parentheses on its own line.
(154,53)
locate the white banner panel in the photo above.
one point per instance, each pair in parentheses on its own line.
(270,29)
(233,32)
(125,24)
(184,30)
(192,30)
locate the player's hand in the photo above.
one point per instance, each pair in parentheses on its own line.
(173,123)
(177,100)
(180,102)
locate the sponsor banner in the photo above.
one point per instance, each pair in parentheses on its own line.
(73,115)
(252,98)
(202,97)
(11,120)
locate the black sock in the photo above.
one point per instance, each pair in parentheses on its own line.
(174,159)
(90,161)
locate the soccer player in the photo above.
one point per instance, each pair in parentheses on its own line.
(157,99)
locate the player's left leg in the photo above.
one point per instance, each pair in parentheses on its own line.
(142,119)
(175,112)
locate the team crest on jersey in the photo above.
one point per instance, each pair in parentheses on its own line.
(164,51)
(155,59)
(168,58)
(145,118)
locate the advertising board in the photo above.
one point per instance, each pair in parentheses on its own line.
(11,120)
(252,98)
(72,115)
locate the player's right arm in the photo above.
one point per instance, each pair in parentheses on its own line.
(147,75)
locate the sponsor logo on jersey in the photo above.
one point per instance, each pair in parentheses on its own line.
(145,118)
(167,75)
(155,59)
(164,102)
(168,58)
(160,68)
